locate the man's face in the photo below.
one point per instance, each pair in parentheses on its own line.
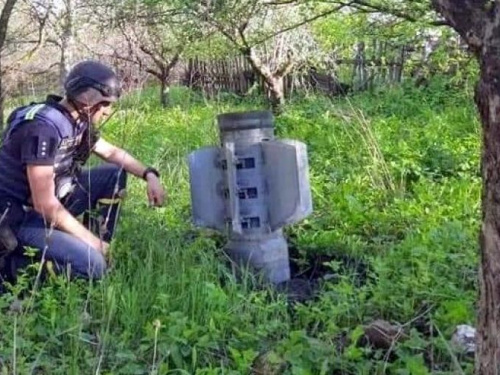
(101,112)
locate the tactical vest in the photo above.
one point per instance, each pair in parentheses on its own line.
(70,137)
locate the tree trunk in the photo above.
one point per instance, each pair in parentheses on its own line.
(276,94)
(488,102)
(67,40)
(273,82)
(478,22)
(4,23)
(164,92)
(2,99)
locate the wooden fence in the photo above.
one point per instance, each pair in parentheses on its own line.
(236,75)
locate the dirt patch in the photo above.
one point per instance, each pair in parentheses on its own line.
(309,272)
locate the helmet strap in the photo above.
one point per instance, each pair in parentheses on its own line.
(83,115)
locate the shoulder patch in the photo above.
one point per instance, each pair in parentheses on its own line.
(46,147)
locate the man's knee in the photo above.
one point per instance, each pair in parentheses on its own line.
(98,270)
(92,268)
(84,262)
(117,177)
(96,264)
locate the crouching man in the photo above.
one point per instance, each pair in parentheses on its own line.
(43,189)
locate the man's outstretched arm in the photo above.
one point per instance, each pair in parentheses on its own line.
(122,158)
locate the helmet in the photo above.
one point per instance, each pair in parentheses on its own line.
(91,82)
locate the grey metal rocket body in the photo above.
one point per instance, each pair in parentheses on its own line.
(251,186)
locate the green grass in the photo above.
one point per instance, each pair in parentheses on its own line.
(396,184)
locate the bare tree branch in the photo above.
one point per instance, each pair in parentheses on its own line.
(365,6)
(4,19)
(466,17)
(304,22)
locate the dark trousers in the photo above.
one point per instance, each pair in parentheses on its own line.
(97,200)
